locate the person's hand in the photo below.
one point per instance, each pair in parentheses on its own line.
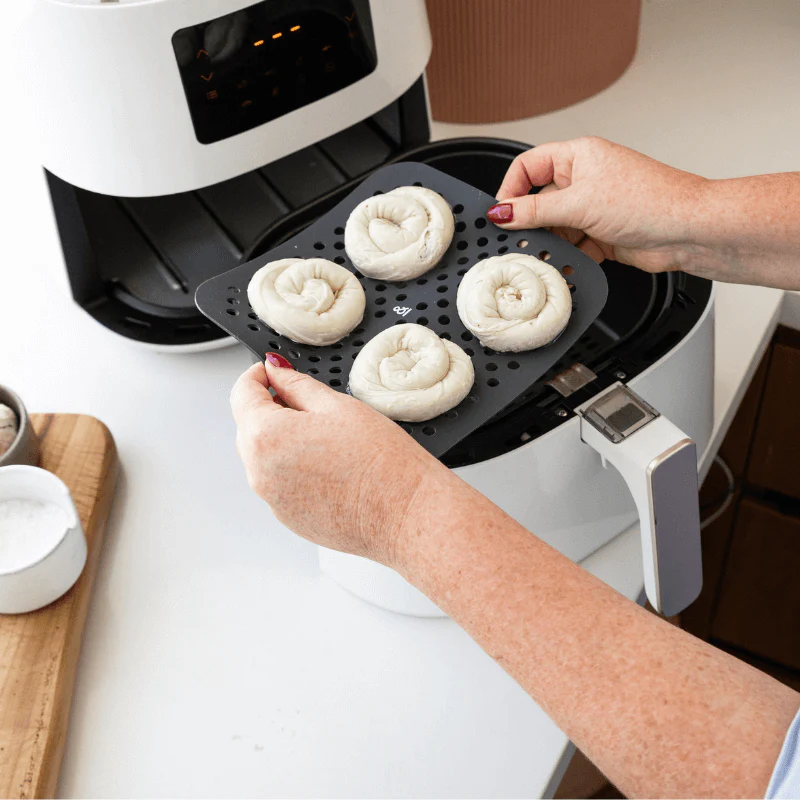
(610,201)
(331,468)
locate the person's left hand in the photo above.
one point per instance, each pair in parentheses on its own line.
(331,468)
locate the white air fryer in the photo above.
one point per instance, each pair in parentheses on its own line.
(183,137)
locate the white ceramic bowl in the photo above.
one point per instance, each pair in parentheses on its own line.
(51,569)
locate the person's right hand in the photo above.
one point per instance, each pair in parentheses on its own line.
(333,469)
(610,201)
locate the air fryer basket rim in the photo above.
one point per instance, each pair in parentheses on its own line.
(661,309)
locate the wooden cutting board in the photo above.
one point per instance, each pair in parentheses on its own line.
(39,651)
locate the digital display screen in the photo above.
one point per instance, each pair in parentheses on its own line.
(257,64)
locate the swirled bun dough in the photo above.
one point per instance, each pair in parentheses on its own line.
(312,301)
(408,373)
(400,234)
(514,302)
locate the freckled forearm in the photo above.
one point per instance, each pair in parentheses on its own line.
(747,230)
(661,713)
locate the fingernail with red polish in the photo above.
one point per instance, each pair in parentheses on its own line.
(501,213)
(278,361)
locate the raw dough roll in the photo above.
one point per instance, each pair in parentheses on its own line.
(400,234)
(312,301)
(514,302)
(408,373)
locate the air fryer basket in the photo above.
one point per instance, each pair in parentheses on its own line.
(644,317)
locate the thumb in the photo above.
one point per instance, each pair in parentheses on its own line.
(298,391)
(548,209)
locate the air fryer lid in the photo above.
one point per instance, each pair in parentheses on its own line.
(429,300)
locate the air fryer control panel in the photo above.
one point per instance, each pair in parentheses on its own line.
(257,64)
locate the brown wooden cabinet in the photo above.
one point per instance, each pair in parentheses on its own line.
(759,600)
(750,603)
(716,537)
(774,462)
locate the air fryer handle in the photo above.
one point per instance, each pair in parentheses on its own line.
(659,463)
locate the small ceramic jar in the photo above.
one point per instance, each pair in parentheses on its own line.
(25,447)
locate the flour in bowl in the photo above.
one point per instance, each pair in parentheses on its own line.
(29,530)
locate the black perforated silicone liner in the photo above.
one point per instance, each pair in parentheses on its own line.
(429,300)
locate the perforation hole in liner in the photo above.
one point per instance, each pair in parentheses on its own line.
(429,300)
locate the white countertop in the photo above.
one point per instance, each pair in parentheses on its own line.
(217,661)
